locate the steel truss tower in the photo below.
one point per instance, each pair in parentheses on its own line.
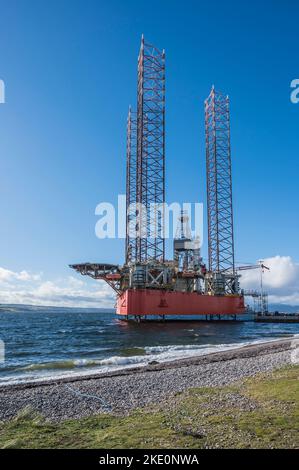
(145,184)
(150,183)
(219,188)
(131,187)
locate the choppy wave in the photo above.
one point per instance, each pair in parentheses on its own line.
(44,343)
(157,353)
(77,363)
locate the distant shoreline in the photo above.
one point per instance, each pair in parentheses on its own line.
(55,307)
(284,308)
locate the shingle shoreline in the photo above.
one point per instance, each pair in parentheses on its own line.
(123,390)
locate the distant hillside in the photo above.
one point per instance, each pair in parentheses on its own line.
(284,308)
(30,308)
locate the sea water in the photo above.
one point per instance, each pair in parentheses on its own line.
(44,342)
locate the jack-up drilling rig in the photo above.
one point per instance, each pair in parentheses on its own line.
(148,284)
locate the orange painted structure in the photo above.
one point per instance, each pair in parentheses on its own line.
(142,302)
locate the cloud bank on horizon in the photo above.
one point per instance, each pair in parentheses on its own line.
(281,282)
(27,288)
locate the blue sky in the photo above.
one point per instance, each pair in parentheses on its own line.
(70,73)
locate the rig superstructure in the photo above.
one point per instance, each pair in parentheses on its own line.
(148,284)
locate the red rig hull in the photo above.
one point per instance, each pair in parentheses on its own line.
(144,302)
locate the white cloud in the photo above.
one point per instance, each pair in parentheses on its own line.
(281,282)
(26,288)
(7,275)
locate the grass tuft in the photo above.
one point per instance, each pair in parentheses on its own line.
(261,412)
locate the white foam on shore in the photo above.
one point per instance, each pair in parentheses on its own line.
(84,367)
